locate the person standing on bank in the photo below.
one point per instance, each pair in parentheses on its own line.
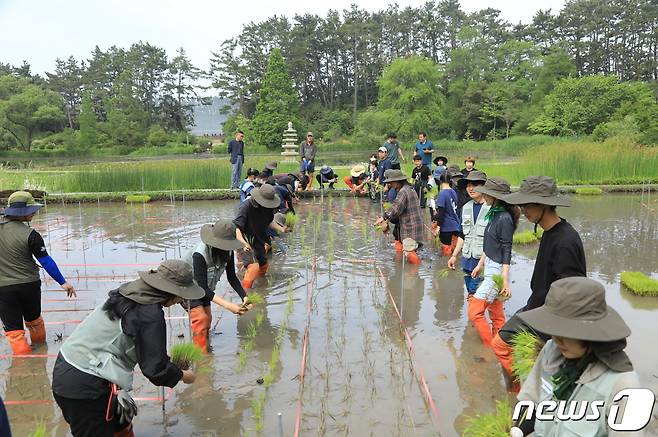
(583,361)
(405,212)
(20,285)
(561,253)
(471,239)
(94,369)
(254,217)
(209,260)
(236,149)
(502,220)
(424,149)
(394,151)
(307,150)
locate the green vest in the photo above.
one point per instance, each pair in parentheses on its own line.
(99,347)
(473,230)
(17,265)
(215,269)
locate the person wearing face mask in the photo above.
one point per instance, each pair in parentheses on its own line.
(584,360)
(560,255)
(94,369)
(20,286)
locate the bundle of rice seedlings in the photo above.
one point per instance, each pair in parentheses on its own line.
(589,191)
(291,219)
(525,348)
(137,198)
(496,424)
(639,283)
(39,431)
(525,237)
(254,298)
(387,206)
(498,280)
(185,355)
(432,192)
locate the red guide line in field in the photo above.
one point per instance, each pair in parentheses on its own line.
(49,401)
(412,356)
(64,310)
(75,322)
(109,265)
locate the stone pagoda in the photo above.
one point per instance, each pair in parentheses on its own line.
(290,145)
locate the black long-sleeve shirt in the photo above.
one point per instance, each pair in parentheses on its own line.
(498,238)
(253,221)
(145,324)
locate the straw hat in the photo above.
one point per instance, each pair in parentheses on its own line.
(576,308)
(357,170)
(175,277)
(393,175)
(495,187)
(220,235)
(20,204)
(266,196)
(538,189)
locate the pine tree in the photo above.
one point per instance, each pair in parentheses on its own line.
(277,105)
(88,134)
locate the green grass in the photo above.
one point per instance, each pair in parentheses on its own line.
(185,355)
(138,198)
(527,237)
(496,424)
(589,190)
(639,283)
(525,348)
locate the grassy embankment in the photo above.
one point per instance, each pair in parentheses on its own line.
(577,162)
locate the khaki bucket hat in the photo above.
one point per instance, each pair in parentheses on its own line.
(496,187)
(357,170)
(538,189)
(272,165)
(576,308)
(392,175)
(474,176)
(21,203)
(266,196)
(409,244)
(220,235)
(175,277)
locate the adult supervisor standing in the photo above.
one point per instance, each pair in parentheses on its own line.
(94,369)
(236,149)
(254,217)
(392,146)
(561,254)
(209,260)
(20,286)
(307,150)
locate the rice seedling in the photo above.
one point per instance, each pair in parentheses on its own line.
(496,424)
(525,237)
(443,273)
(291,219)
(639,283)
(138,198)
(525,348)
(254,298)
(589,191)
(186,355)
(387,206)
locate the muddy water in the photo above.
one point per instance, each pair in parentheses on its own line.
(359,379)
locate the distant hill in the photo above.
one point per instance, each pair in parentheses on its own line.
(208,119)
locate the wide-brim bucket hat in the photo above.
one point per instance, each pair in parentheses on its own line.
(474,176)
(272,165)
(221,235)
(266,196)
(538,189)
(576,308)
(20,204)
(440,158)
(357,170)
(495,187)
(393,175)
(409,244)
(175,277)
(280,219)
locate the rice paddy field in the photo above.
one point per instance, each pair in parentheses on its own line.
(343,339)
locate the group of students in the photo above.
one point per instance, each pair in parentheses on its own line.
(473,215)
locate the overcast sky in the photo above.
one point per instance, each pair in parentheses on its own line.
(40,31)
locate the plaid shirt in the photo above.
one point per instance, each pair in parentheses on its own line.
(406,210)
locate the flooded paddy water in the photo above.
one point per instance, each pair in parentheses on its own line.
(335,298)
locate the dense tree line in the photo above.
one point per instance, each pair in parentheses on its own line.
(117,97)
(494,74)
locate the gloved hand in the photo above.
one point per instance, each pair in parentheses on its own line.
(126,407)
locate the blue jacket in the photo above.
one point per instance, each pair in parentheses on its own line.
(384,164)
(427,157)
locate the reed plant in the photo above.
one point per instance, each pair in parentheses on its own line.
(496,424)
(639,283)
(186,355)
(525,348)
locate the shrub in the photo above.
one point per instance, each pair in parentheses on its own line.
(157,137)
